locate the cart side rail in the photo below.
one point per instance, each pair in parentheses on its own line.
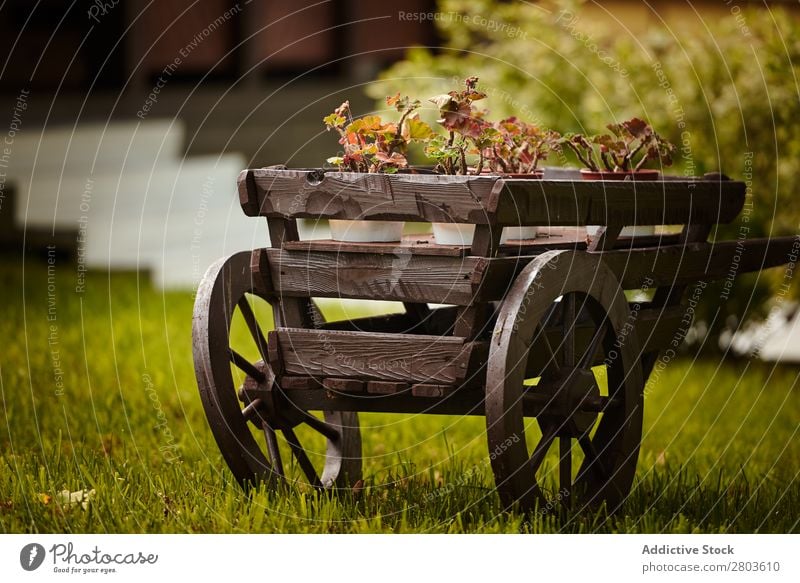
(290,194)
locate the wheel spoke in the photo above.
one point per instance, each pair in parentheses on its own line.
(540,451)
(330,431)
(591,353)
(551,355)
(252,324)
(272,449)
(565,467)
(302,458)
(568,328)
(595,464)
(246,366)
(251,410)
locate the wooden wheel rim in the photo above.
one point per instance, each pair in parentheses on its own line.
(554,274)
(224,284)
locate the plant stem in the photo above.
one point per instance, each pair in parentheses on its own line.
(606,161)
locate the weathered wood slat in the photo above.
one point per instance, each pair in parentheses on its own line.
(413,244)
(461,401)
(556,202)
(386,387)
(346,195)
(344,385)
(431,390)
(465,281)
(403,277)
(487,199)
(366,356)
(675,265)
(664,266)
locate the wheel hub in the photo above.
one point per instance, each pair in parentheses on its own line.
(268,400)
(573,387)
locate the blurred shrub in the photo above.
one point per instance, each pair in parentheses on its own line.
(725,93)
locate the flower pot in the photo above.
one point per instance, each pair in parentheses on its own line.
(366,231)
(311,229)
(453,233)
(520,233)
(638,231)
(647,174)
(536,175)
(517,233)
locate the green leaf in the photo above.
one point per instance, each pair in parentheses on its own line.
(418,130)
(369,124)
(334,120)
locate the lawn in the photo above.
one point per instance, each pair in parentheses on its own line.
(99,399)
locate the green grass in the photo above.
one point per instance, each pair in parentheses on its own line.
(720,451)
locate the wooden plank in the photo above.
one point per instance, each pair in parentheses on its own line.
(566,202)
(407,278)
(347,195)
(462,401)
(294,383)
(386,387)
(675,265)
(431,390)
(414,244)
(344,385)
(274,353)
(666,265)
(487,199)
(371,356)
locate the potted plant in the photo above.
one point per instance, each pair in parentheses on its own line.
(621,155)
(372,145)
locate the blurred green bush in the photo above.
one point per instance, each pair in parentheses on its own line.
(725,91)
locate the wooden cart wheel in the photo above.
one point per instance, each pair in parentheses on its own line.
(226,290)
(566,312)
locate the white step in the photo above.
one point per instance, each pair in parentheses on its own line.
(95,148)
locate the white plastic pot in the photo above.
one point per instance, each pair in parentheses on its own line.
(311,229)
(591,230)
(517,233)
(366,231)
(638,231)
(453,233)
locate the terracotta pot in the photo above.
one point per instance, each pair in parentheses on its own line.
(538,175)
(366,231)
(627,175)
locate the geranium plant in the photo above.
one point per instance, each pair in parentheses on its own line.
(628,147)
(519,147)
(467,131)
(372,145)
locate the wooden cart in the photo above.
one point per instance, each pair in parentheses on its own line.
(536,328)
